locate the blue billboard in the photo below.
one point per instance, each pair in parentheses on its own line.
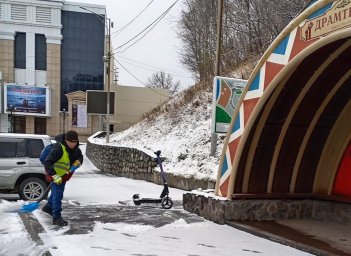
(27,100)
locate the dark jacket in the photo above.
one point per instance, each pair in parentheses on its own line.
(56,153)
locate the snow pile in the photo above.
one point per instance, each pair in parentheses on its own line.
(14,240)
(182,133)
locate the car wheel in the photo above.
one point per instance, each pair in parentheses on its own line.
(32,189)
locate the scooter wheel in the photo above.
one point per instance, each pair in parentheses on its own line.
(136,198)
(166,203)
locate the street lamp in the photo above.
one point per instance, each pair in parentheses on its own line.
(63,113)
(10,109)
(107,60)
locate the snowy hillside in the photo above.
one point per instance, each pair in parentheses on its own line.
(182,132)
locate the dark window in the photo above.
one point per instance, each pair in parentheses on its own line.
(19,124)
(20,50)
(39,125)
(40,52)
(7,149)
(35,146)
(12,147)
(21,148)
(82,50)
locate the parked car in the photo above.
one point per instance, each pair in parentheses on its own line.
(20,168)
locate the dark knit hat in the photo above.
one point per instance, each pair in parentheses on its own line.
(71,136)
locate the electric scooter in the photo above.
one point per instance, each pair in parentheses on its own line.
(165,201)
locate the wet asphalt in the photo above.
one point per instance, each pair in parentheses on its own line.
(82,218)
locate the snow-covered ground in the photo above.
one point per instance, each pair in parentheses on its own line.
(182,133)
(89,187)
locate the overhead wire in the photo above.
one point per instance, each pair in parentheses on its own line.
(152,25)
(125,26)
(144,34)
(140,80)
(152,68)
(130,73)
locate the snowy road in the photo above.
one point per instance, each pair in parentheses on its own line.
(104,221)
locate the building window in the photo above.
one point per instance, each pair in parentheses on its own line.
(39,125)
(82,66)
(19,124)
(20,50)
(40,52)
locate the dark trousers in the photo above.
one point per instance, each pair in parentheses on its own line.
(55,199)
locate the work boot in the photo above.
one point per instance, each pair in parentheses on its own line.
(47,209)
(59,222)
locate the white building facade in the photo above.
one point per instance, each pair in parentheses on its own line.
(46,53)
(51,53)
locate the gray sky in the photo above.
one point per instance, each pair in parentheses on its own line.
(157,51)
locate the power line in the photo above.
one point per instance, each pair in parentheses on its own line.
(130,62)
(144,34)
(140,80)
(152,25)
(130,73)
(120,30)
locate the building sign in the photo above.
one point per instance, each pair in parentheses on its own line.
(27,100)
(79,115)
(97,102)
(334,17)
(226,94)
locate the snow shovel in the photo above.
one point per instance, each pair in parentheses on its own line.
(35,205)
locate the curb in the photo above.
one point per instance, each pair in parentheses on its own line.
(33,228)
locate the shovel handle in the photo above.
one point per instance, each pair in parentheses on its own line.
(46,192)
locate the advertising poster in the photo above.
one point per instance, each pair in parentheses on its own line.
(79,115)
(27,100)
(82,116)
(74,114)
(226,94)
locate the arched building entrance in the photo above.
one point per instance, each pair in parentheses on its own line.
(291,131)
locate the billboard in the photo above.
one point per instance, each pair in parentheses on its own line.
(226,94)
(97,102)
(27,100)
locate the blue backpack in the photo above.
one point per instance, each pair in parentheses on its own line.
(45,152)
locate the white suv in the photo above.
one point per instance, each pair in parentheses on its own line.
(20,168)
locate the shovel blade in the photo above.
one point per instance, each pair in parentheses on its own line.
(29,207)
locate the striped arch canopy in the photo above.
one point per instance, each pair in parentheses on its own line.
(291,130)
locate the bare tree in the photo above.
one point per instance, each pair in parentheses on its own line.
(249,27)
(197,30)
(163,81)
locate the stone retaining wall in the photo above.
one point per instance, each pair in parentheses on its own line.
(135,164)
(220,210)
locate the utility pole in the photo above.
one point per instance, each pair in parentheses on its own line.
(107,59)
(108,70)
(218,61)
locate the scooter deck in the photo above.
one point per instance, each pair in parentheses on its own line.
(166,202)
(147,200)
